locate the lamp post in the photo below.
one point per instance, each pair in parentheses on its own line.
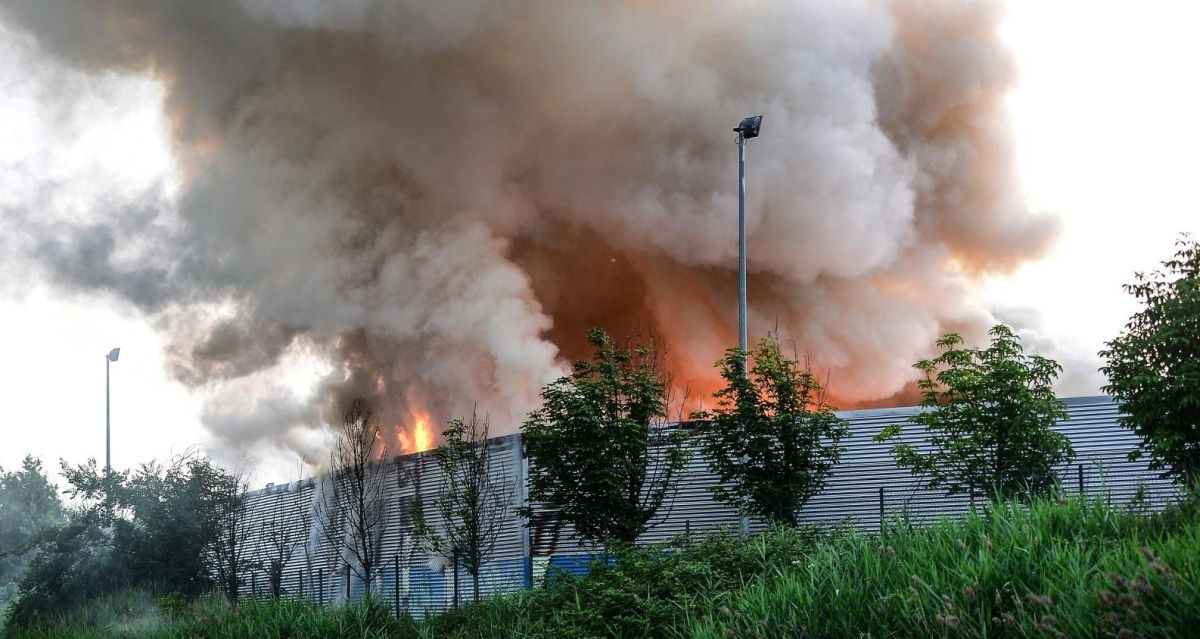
(746,129)
(108,360)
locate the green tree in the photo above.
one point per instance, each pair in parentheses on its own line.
(157,528)
(472,503)
(989,420)
(600,448)
(176,536)
(29,503)
(1153,366)
(772,440)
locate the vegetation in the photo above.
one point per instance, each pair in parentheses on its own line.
(599,447)
(228,552)
(772,440)
(471,505)
(155,528)
(1153,366)
(1046,568)
(161,552)
(284,533)
(992,431)
(28,504)
(1074,569)
(350,514)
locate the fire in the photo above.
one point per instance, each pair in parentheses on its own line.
(420,438)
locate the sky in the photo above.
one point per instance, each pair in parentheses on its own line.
(1104,121)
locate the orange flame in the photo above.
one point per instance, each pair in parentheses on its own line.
(420,438)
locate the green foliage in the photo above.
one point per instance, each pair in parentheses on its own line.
(119,614)
(989,420)
(472,504)
(290,619)
(599,446)
(639,592)
(1153,366)
(772,439)
(1046,568)
(1049,569)
(128,614)
(155,528)
(28,503)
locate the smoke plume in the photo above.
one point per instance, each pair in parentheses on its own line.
(440,197)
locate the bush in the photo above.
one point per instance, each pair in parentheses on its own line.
(640,592)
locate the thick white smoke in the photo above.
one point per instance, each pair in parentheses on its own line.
(441,197)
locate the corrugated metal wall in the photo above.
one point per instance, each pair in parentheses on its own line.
(864,487)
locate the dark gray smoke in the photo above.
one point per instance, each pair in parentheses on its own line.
(441,197)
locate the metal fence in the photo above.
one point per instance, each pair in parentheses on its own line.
(865,489)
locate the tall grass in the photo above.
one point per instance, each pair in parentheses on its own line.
(1053,569)
(125,613)
(1070,569)
(216,619)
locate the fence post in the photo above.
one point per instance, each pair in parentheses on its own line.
(1081,480)
(881,507)
(321,586)
(521,497)
(687,527)
(348,583)
(396,584)
(300,584)
(454,567)
(254,585)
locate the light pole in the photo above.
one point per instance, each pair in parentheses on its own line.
(748,128)
(108,360)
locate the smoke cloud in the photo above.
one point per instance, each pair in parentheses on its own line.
(439,198)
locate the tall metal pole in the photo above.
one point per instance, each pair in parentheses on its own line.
(107,418)
(743,520)
(742,341)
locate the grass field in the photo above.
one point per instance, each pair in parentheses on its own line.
(1054,569)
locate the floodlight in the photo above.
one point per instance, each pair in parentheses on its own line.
(749,126)
(114,354)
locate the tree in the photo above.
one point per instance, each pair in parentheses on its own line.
(351,511)
(155,528)
(229,548)
(773,439)
(472,503)
(1153,366)
(600,448)
(284,532)
(29,503)
(989,419)
(180,514)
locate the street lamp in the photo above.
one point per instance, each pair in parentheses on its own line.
(108,360)
(747,129)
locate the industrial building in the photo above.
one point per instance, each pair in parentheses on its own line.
(865,488)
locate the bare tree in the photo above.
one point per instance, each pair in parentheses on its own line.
(229,547)
(284,533)
(472,504)
(351,511)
